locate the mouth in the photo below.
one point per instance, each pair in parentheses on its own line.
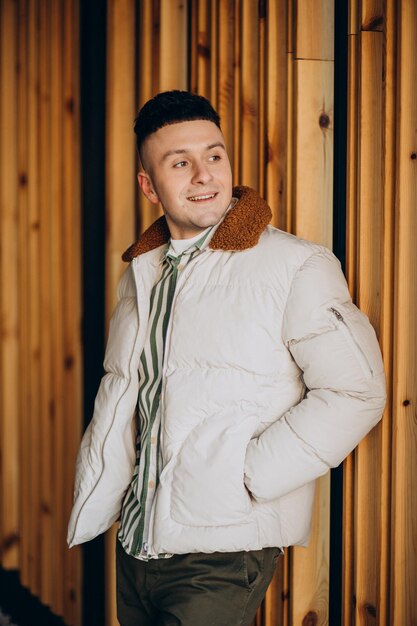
(202,197)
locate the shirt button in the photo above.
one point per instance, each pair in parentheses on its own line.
(153,440)
(151,484)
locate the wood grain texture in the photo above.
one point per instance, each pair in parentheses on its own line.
(372,14)
(55,411)
(276,122)
(404,530)
(38,107)
(353,17)
(262,99)
(24,273)
(368,459)
(387,308)
(236,110)
(352,165)
(44,506)
(309,582)
(203,50)
(314,30)
(72,305)
(173,67)
(226,74)
(382,272)
(260,63)
(249,97)
(33,251)
(147,73)
(290,145)
(313,151)
(120,147)
(9,301)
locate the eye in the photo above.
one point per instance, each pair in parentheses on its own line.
(215,157)
(180,164)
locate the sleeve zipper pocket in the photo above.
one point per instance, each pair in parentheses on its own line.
(360,354)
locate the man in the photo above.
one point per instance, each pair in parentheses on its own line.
(238,365)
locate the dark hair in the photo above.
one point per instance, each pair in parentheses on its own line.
(171,107)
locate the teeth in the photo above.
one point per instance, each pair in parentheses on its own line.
(202,197)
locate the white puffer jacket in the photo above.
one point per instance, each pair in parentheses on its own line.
(271,376)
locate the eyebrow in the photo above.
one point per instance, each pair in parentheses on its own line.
(217,144)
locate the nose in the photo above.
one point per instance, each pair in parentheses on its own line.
(201,174)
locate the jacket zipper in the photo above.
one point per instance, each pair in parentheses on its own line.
(358,349)
(181,278)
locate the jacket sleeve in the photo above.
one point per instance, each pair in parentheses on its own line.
(337,351)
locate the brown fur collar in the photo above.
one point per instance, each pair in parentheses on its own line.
(240,229)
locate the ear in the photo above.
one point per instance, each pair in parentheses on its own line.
(147,188)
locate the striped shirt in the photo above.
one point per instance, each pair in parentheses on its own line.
(134,526)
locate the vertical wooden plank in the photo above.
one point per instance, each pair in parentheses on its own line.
(290,135)
(72,312)
(236,110)
(58,280)
(314,30)
(387,289)
(148,81)
(353,17)
(352,165)
(173,67)
(313,165)
(225,78)
(404,531)
(24,273)
(372,15)
(261,185)
(275,598)
(120,147)
(368,462)
(9,259)
(249,100)
(120,186)
(276,111)
(193,51)
(33,247)
(214,52)
(147,66)
(203,50)
(291,26)
(370,189)
(309,588)
(44,505)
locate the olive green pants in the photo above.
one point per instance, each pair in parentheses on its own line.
(219,589)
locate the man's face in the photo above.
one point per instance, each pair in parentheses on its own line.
(187,169)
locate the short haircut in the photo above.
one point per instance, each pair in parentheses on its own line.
(172,107)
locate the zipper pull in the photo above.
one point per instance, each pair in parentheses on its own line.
(336,313)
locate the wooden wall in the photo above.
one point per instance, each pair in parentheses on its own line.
(268,67)
(40,296)
(380,521)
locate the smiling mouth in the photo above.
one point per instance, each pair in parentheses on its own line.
(202,197)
